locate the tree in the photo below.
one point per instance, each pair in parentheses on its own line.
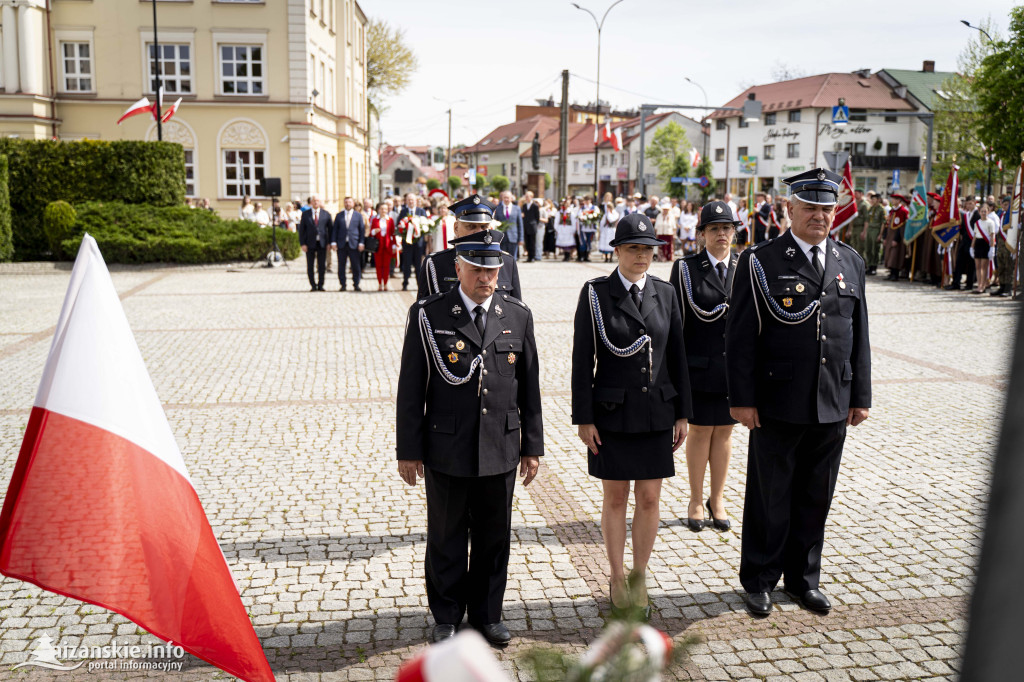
(957,117)
(705,170)
(454,184)
(499,183)
(433,183)
(547,180)
(999,95)
(480,182)
(669,141)
(680,169)
(390,63)
(782,71)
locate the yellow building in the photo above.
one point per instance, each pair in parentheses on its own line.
(269,88)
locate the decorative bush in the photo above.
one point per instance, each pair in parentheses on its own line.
(42,171)
(58,225)
(132,233)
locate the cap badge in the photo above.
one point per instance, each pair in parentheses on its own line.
(799,287)
(641,227)
(453,357)
(476,200)
(718,209)
(497,309)
(511,358)
(487,238)
(821,175)
(787,302)
(790,251)
(456,309)
(460,345)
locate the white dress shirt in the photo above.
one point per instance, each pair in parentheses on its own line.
(806,248)
(471,305)
(640,283)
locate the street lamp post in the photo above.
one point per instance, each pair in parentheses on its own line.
(597,97)
(704,118)
(989,153)
(448,157)
(976,28)
(159,80)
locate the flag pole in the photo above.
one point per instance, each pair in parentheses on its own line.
(159,81)
(913,261)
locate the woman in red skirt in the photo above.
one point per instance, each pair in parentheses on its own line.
(382,228)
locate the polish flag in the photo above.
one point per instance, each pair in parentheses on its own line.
(170,112)
(847,209)
(606,132)
(141,107)
(100,507)
(694,158)
(617,139)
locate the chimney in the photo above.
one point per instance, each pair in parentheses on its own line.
(929,66)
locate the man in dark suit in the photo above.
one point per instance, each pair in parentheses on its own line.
(437,274)
(508,212)
(469,415)
(531,219)
(762,219)
(963,264)
(799,372)
(314,237)
(349,238)
(412,253)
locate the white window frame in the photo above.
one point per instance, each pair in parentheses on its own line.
(251,181)
(195,177)
(792,150)
(168,37)
(249,38)
(76,37)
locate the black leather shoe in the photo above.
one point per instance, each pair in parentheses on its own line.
(312,288)
(696,525)
(812,600)
(356,288)
(442,632)
(719,524)
(951,287)
(495,633)
(320,288)
(758,603)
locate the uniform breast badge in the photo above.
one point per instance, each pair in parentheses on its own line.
(799,287)
(511,358)
(787,302)
(453,357)
(790,251)
(456,309)
(497,309)
(460,345)
(835,252)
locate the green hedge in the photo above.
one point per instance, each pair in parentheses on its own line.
(128,171)
(6,245)
(132,233)
(58,225)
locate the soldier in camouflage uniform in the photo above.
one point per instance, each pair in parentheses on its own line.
(875,222)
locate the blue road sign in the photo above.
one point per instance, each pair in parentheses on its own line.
(895,178)
(840,115)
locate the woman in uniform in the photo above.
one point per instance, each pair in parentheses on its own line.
(703,282)
(630,398)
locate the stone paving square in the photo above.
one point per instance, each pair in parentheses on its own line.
(282,403)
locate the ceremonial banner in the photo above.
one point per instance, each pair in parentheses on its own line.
(847,208)
(918,221)
(1013,229)
(100,506)
(946,224)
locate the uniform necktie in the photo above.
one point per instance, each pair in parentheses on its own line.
(721,272)
(816,264)
(634,291)
(478,319)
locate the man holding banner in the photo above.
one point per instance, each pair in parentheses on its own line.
(895,249)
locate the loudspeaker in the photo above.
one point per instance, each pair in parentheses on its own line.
(270,187)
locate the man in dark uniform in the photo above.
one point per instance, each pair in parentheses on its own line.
(799,371)
(437,274)
(412,253)
(963,264)
(469,415)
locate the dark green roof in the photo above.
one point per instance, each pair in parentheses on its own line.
(921,84)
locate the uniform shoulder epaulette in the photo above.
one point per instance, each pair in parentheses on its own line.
(691,256)
(847,246)
(430,299)
(760,245)
(656,278)
(513,299)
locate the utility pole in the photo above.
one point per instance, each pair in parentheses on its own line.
(159,80)
(563,138)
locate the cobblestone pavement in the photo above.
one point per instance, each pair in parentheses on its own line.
(282,402)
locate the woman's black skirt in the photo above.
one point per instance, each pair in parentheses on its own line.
(711,409)
(632,456)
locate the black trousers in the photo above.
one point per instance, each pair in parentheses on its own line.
(791,477)
(318,253)
(964,264)
(530,242)
(461,511)
(353,256)
(411,256)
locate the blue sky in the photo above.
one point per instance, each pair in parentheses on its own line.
(495,53)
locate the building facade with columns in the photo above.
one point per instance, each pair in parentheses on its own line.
(287,101)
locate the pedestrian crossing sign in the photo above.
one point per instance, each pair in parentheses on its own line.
(840,115)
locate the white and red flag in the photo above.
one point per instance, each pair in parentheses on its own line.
(617,139)
(141,107)
(171,111)
(100,507)
(847,209)
(694,158)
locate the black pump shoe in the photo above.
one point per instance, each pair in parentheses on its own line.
(725,524)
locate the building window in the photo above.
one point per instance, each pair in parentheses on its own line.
(769,152)
(720,124)
(866,184)
(744,123)
(892,149)
(856,148)
(77,65)
(243,170)
(858,114)
(794,116)
(604,160)
(575,166)
(720,154)
(741,152)
(793,150)
(241,68)
(769,119)
(175,67)
(190,173)
(323,83)
(891,119)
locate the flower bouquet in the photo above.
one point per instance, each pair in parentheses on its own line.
(591,216)
(412,227)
